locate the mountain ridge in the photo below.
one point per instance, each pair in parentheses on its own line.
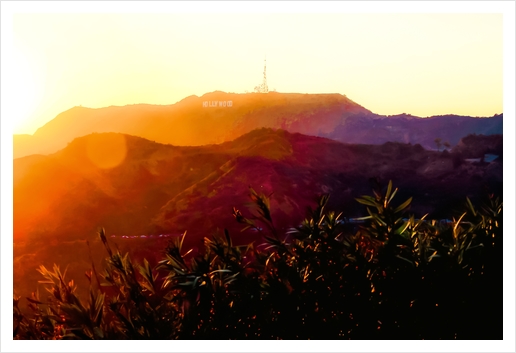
(61,199)
(192,121)
(166,172)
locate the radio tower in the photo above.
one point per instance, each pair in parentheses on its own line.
(263,88)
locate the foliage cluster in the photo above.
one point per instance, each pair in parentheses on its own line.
(390,276)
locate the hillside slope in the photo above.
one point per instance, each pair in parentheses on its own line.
(409,129)
(213,118)
(219,117)
(61,199)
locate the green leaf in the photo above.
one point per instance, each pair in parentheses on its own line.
(245,228)
(366,202)
(434,255)
(76,315)
(392,196)
(33,301)
(470,205)
(228,238)
(221,271)
(403,205)
(388,192)
(405,259)
(402,229)
(98,333)
(379,220)
(457,223)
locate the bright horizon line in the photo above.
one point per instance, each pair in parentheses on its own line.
(243,93)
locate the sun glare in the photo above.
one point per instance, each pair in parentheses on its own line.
(25,91)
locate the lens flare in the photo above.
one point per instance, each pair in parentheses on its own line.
(106,150)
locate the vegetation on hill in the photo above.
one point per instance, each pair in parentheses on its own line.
(476,146)
(59,201)
(190,123)
(391,277)
(424,131)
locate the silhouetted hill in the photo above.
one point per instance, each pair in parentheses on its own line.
(61,199)
(210,119)
(410,129)
(476,146)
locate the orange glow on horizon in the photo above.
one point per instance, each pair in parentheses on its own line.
(422,64)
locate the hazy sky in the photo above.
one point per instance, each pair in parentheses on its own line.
(421,64)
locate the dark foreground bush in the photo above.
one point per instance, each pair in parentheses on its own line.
(384,276)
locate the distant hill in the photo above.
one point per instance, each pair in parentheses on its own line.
(219,117)
(61,199)
(191,123)
(409,129)
(476,146)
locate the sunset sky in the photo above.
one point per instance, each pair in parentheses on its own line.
(417,57)
(417,63)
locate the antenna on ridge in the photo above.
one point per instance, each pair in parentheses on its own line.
(263,88)
(264,84)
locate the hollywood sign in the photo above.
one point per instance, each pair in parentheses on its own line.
(213,104)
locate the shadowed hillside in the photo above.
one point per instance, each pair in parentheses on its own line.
(475,146)
(60,200)
(410,129)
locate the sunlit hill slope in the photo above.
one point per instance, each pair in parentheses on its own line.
(191,122)
(218,117)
